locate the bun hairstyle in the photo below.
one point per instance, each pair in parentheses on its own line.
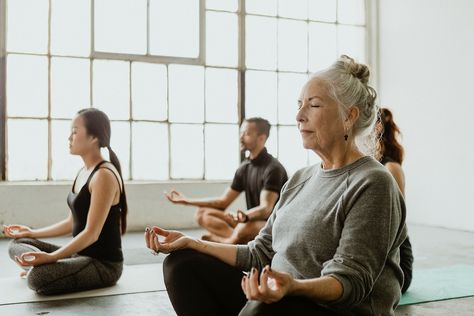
(97,124)
(348,85)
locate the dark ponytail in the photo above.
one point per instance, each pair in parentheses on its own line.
(389,146)
(123,198)
(98,125)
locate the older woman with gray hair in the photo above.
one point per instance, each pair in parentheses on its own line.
(331,246)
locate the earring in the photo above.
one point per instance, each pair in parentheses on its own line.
(345,137)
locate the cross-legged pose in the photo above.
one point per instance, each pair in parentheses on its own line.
(332,243)
(93,258)
(260,176)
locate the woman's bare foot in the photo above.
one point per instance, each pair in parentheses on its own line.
(207,237)
(215,238)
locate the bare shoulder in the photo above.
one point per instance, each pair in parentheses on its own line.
(394,168)
(106,175)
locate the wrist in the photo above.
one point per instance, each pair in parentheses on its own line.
(54,256)
(295,287)
(31,234)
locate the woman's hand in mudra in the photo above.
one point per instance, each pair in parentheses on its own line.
(273,285)
(171,240)
(17,231)
(34,259)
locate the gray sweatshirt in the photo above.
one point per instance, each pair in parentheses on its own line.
(347,223)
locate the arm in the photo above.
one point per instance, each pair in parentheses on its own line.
(397,172)
(175,240)
(61,228)
(374,210)
(103,188)
(220,203)
(273,286)
(261,212)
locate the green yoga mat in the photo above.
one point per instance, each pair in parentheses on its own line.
(438,284)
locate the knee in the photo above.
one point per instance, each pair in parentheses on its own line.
(200,215)
(13,247)
(245,233)
(36,280)
(176,264)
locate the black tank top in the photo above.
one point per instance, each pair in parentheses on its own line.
(109,245)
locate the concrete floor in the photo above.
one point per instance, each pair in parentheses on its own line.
(433,247)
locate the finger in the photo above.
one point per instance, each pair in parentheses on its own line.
(156,244)
(263,281)
(147,234)
(21,262)
(174,193)
(160,231)
(247,290)
(243,284)
(253,283)
(150,240)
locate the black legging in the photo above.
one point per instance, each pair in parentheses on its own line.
(406,263)
(199,284)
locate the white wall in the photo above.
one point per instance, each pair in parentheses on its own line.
(39,204)
(426,75)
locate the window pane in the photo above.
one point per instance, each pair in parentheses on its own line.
(222,151)
(187,152)
(291,151)
(111,91)
(174,28)
(27,150)
(322,10)
(351,12)
(221,39)
(149,91)
(292,45)
(150,151)
(322,45)
(266,7)
(272,141)
(289,89)
(226,5)
(120,26)
(27,26)
(261,95)
(297,9)
(351,41)
(261,42)
(70,86)
(27,86)
(221,95)
(64,165)
(120,143)
(70,27)
(186,93)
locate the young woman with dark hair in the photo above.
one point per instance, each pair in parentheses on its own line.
(390,154)
(93,258)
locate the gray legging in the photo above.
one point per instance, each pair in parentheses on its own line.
(76,273)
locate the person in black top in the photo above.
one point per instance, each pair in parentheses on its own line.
(390,154)
(93,258)
(261,177)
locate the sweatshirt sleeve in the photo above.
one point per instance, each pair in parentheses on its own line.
(259,252)
(374,211)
